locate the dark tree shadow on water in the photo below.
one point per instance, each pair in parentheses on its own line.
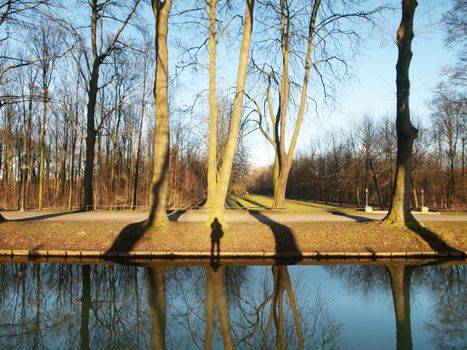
(286,246)
(216,234)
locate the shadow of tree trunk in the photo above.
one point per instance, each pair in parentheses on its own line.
(285,244)
(435,241)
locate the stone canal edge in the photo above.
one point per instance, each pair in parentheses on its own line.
(253,254)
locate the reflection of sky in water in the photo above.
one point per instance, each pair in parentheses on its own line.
(120,316)
(367,323)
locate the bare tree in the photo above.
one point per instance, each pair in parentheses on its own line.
(99,12)
(217,211)
(312,59)
(158,192)
(399,212)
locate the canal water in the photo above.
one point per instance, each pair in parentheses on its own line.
(112,306)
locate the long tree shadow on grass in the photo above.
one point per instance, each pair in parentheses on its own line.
(356,218)
(39,217)
(131,234)
(435,241)
(285,245)
(48,216)
(252,201)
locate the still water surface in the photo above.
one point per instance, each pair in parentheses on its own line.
(61,306)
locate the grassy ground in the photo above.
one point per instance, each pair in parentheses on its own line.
(264,204)
(267,237)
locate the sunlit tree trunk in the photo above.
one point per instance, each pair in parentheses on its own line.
(158,192)
(283,157)
(213,108)
(217,210)
(399,212)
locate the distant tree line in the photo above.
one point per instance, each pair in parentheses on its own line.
(340,167)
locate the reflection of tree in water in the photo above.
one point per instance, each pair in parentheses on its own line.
(448,288)
(370,279)
(446,284)
(76,306)
(72,306)
(157,305)
(277,318)
(205,299)
(234,307)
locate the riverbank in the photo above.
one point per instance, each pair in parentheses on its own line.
(264,239)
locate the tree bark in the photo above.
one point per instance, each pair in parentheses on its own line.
(140,134)
(217,210)
(158,192)
(42,146)
(213,108)
(399,212)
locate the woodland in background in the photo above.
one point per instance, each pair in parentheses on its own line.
(45,94)
(340,167)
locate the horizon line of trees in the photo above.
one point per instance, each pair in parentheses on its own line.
(341,167)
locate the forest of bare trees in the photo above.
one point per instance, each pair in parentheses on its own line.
(81,110)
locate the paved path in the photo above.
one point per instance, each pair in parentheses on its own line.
(231,217)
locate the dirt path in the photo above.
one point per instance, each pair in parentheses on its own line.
(230,217)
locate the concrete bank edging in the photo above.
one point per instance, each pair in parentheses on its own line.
(255,254)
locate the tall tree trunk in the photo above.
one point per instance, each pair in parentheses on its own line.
(90,137)
(213,108)
(140,134)
(42,147)
(72,169)
(217,211)
(158,192)
(283,158)
(399,212)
